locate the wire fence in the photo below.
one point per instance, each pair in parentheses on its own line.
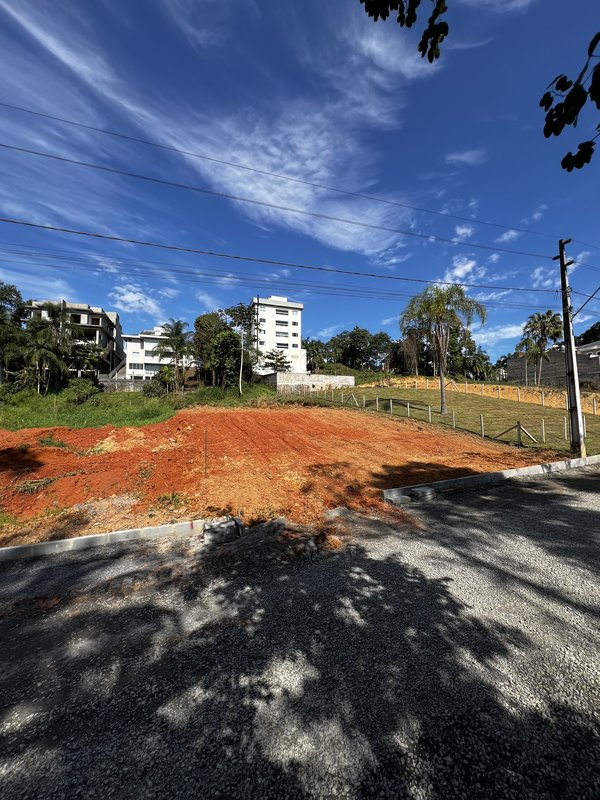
(524,425)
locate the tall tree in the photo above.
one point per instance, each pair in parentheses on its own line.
(438,310)
(539,330)
(242,318)
(206,328)
(564,98)
(11,311)
(175,346)
(317,353)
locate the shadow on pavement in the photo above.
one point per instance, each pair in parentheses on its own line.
(354,674)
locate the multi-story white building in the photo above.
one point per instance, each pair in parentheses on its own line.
(278,326)
(89,324)
(143,362)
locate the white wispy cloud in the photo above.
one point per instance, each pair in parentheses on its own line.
(205,24)
(34,286)
(464,231)
(537,215)
(499,6)
(464,269)
(494,258)
(390,320)
(169,292)
(485,297)
(208,302)
(545,278)
(508,236)
(491,336)
(469,158)
(331,330)
(134,298)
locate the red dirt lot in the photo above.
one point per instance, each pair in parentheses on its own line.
(260,463)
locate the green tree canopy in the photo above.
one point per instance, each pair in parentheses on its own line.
(276,361)
(539,330)
(437,311)
(175,345)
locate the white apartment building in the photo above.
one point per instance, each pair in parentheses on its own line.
(142,362)
(278,326)
(89,324)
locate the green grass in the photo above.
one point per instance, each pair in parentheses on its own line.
(498,414)
(120,409)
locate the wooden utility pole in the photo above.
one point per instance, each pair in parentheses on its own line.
(575,417)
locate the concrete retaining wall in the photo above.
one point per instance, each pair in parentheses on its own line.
(295,381)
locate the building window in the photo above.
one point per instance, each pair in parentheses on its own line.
(294,311)
(282,333)
(294,334)
(294,345)
(282,312)
(282,345)
(76,318)
(281,322)
(262,319)
(295,323)
(95,321)
(136,366)
(261,343)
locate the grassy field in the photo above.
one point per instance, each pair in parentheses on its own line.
(498,415)
(119,409)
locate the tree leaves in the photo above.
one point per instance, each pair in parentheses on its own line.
(583,156)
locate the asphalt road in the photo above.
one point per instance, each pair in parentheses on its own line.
(453,657)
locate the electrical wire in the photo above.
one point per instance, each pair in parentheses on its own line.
(265,204)
(252,259)
(280,176)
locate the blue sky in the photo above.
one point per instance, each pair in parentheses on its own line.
(328,97)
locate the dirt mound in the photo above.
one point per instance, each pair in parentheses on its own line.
(259,463)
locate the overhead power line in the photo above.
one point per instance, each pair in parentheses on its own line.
(207,275)
(255,260)
(278,175)
(265,204)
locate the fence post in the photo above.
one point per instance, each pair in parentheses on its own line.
(542,393)
(518,394)
(519,437)
(427,383)
(364,401)
(498,391)
(342,397)
(429,413)
(543,431)
(453,418)
(566,401)
(407,409)
(481,425)
(584,427)
(391,406)
(465,387)
(376,404)
(565,428)
(594,403)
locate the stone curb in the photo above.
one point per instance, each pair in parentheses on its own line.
(175,530)
(406,493)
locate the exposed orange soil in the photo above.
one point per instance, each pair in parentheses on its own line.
(296,462)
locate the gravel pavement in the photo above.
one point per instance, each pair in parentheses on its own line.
(452,657)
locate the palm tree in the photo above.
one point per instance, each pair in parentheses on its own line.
(538,331)
(38,353)
(437,311)
(175,345)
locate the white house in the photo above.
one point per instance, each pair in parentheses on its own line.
(278,326)
(142,362)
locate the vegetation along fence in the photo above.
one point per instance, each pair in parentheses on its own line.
(506,420)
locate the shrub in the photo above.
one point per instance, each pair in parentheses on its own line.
(79,390)
(155,387)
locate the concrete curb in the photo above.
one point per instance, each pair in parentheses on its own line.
(176,530)
(404,494)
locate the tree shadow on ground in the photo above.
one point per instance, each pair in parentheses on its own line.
(18,460)
(354,674)
(551,513)
(393,476)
